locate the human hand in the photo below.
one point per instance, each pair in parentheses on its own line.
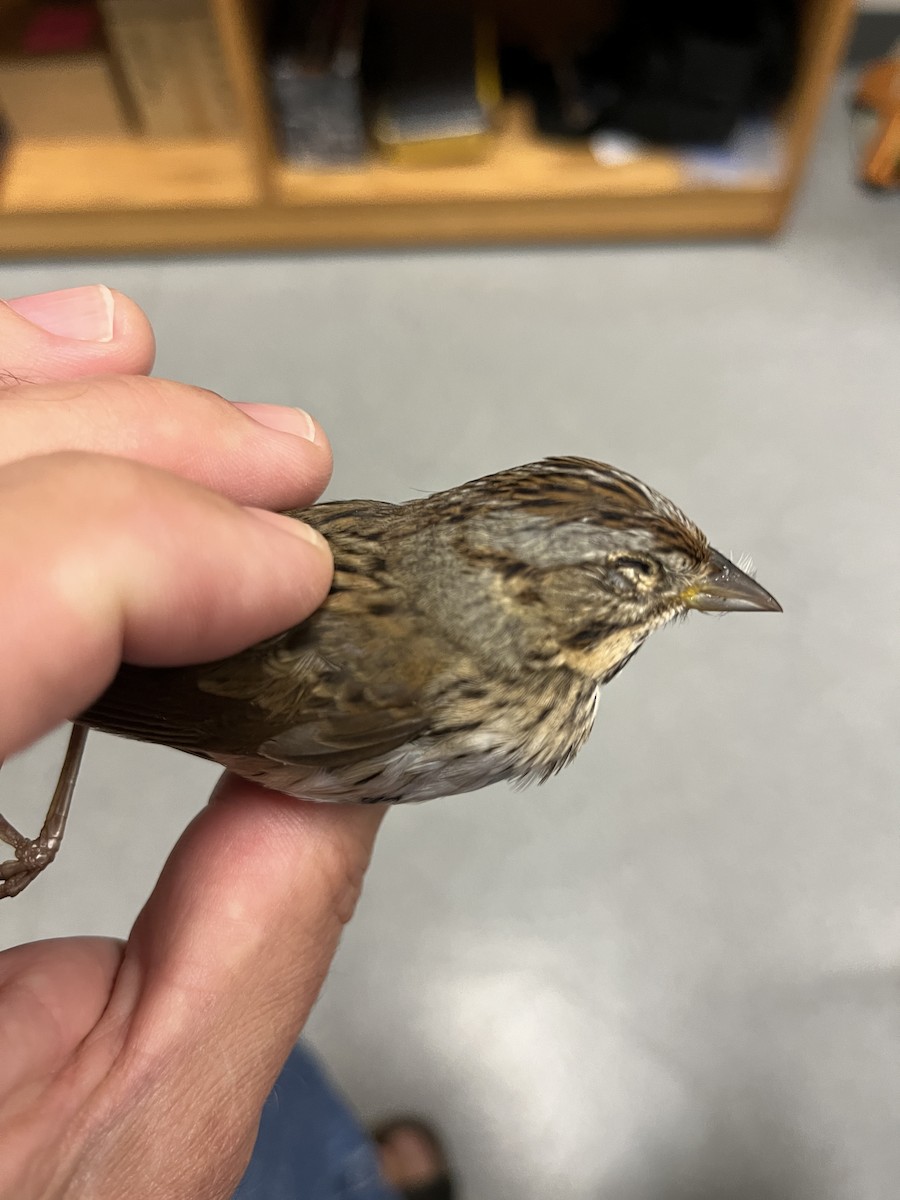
(126,531)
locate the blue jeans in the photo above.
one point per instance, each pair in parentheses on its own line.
(310,1146)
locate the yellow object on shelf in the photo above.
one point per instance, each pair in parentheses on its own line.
(442,89)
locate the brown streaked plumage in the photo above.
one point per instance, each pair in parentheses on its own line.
(464,640)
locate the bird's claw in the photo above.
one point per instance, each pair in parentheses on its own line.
(32,856)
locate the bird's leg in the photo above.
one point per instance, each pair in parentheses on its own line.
(33,854)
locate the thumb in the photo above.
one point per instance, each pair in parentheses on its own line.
(73,333)
(220,973)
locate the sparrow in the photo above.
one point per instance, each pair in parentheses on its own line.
(465,640)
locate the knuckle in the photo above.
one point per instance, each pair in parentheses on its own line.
(187,419)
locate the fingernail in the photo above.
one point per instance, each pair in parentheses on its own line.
(85,314)
(293,526)
(279,416)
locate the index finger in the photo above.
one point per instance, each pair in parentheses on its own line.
(282,459)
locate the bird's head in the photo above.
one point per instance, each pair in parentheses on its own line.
(590,560)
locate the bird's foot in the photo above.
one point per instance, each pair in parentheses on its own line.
(32,855)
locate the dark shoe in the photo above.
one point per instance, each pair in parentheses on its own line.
(413,1160)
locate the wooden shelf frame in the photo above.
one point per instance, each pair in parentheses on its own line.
(132,195)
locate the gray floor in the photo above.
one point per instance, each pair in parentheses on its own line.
(673,973)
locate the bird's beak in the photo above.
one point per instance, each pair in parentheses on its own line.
(726,588)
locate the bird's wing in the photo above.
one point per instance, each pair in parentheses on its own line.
(341,741)
(324,710)
(291,705)
(165,706)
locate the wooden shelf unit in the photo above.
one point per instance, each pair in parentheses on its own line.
(132,194)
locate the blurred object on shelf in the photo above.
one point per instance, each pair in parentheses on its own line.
(170,59)
(670,74)
(568,100)
(755,155)
(878,97)
(314,62)
(56,79)
(60,28)
(611,149)
(435,81)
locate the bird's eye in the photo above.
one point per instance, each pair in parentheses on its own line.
(635,570)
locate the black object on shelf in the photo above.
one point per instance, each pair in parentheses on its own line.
(314,50)
(674,74)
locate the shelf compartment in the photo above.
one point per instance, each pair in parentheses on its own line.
(519,165)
